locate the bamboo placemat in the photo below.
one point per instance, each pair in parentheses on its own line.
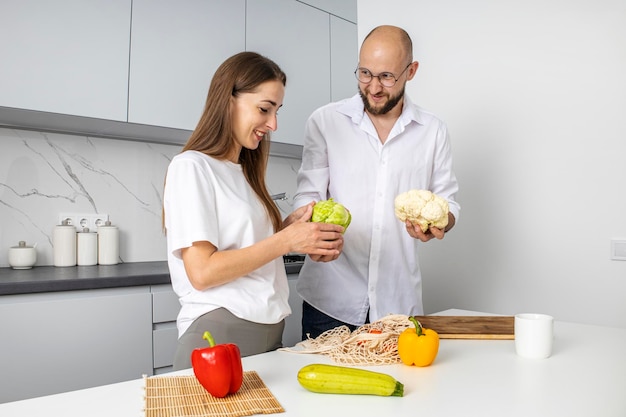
(183,396)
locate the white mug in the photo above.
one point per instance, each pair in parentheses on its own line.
(534,335)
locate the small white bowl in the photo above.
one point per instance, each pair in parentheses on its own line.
(22,256)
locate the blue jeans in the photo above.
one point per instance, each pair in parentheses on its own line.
(314,322)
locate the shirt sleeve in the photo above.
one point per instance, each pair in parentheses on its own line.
(313,176)
(189,206)
(444,182)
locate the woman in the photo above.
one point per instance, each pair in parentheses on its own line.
(225,235)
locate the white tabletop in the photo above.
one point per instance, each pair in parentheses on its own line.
(585,376)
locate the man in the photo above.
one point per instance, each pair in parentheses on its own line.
(363,152)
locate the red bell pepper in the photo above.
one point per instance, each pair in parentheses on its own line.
(218,367)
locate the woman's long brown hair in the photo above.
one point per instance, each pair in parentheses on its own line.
(241,73)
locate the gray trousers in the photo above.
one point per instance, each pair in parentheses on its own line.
(251,338)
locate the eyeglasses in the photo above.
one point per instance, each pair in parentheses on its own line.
(387,79)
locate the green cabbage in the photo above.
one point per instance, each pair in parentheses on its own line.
(328,211)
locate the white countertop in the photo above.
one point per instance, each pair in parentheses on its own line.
(585,376)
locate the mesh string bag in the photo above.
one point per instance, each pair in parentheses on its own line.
(371,344)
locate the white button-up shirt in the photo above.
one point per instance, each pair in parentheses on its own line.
(344,159)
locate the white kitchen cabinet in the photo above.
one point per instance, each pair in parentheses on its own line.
(346,9)
(175,49)
(297,37)
(62,341)
(65,56)
(344,58)
(85,68)
(165,308)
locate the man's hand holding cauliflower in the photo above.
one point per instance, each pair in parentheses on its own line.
(425,214)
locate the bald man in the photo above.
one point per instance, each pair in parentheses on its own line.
(362,152)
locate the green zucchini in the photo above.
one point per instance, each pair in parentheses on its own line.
(332,379)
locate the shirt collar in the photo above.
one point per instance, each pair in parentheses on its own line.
(353,108)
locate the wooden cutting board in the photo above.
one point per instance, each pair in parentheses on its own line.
(470,327)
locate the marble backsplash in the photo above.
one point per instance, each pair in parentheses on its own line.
(44,174)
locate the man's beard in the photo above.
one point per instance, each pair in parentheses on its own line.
(386,108)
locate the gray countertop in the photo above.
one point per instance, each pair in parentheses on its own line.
(51,279)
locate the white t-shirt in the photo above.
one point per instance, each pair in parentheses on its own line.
(206,199)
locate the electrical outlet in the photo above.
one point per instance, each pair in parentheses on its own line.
(84,220)
(618,249)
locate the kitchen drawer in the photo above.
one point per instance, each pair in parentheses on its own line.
(165,305)
(164,340)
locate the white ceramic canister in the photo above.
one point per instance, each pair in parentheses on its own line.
(22,256)
(86,248)
(64,244)
(108,244)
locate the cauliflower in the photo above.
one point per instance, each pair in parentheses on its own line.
(327,211)
(422,207)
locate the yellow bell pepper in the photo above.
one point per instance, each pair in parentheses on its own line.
(418,346)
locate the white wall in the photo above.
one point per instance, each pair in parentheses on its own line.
(534,94)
